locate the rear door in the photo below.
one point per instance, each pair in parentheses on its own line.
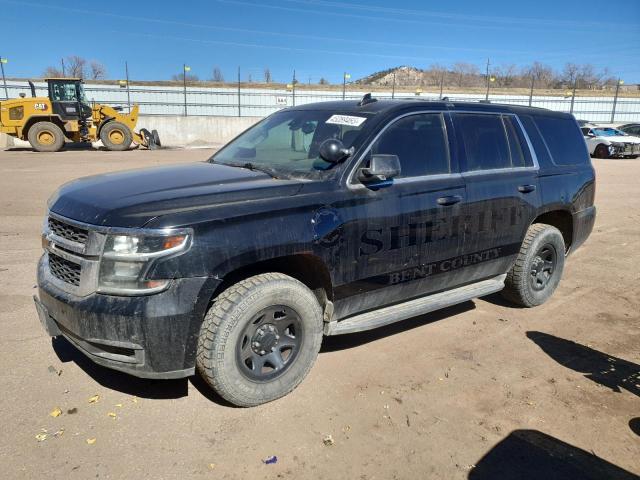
(501,176)
(401,232)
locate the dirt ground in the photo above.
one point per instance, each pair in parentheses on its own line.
(481,390)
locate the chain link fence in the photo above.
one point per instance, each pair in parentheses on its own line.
(248,101)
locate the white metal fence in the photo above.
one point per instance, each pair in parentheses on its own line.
(258,102)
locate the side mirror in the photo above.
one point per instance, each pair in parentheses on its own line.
(332,150)
(381,168)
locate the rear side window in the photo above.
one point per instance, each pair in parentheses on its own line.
(542,152)
(420,143)
(485,141)
(520,154)
(564,139)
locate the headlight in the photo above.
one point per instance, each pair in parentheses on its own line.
(126,259)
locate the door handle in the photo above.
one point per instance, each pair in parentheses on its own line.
(449,200)
(526,188)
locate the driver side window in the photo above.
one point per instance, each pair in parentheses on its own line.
(420,142)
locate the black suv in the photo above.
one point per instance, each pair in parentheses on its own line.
(327,218)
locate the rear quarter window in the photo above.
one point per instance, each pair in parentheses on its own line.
(564,139)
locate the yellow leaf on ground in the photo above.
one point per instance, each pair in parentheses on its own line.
(112,414)
(94,399)
(91,441)
(212,466)
(56,412)
(118,405)
(41,437)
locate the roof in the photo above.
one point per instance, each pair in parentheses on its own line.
(385,105)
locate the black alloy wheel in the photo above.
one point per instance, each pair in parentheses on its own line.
(542,267)
(270,343)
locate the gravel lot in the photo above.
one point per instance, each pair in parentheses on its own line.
(481,390)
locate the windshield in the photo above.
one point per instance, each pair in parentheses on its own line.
(608,132)
(287,143)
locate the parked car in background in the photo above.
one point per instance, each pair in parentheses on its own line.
(607,142)
(631,128)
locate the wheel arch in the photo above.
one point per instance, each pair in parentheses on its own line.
(304,267)
(103,123)
(41,118)
(562,220)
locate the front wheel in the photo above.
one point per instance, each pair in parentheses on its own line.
(601,151)
(259,339)
(538,268)
(116,136)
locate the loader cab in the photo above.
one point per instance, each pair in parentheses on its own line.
(68,99)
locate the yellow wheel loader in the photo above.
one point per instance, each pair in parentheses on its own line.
(66,115)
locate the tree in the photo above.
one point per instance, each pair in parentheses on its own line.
(323,81)
(506,75)
(542,74)
(267,75)
(52,72)
(217,75)
(466,74)
(180,77)
(76,66)
(98,70)
(570,73)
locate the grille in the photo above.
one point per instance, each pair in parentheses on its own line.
(64,270)
(68,232)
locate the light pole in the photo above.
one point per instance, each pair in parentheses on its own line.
(185,69)
(4,80)
(393,86)
(489,79)
(615,100)
(344,84)
(126,71)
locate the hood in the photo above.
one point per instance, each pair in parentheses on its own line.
(135,197)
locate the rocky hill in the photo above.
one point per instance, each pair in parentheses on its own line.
(405,76)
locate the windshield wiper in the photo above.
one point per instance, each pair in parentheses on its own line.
(253,167)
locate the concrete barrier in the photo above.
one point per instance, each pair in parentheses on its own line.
(194,131)
(176,131)
(5,141)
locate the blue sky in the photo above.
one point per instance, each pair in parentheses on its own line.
(319,38)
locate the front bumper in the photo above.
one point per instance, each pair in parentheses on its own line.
(625,150)
(153,336)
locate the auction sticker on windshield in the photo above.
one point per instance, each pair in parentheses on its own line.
(346,120)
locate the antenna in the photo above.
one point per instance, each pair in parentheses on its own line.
(366,99)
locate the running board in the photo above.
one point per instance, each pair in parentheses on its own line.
(413,308)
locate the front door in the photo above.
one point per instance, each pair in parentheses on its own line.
(402,235)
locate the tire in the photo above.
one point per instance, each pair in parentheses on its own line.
(156,138)
(46,137)
(601,151)
(235,339)
(538,268)
(116,136)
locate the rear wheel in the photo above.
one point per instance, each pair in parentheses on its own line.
(46,137)
(259,339)
(116,136)
(538,268)
(601,151)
